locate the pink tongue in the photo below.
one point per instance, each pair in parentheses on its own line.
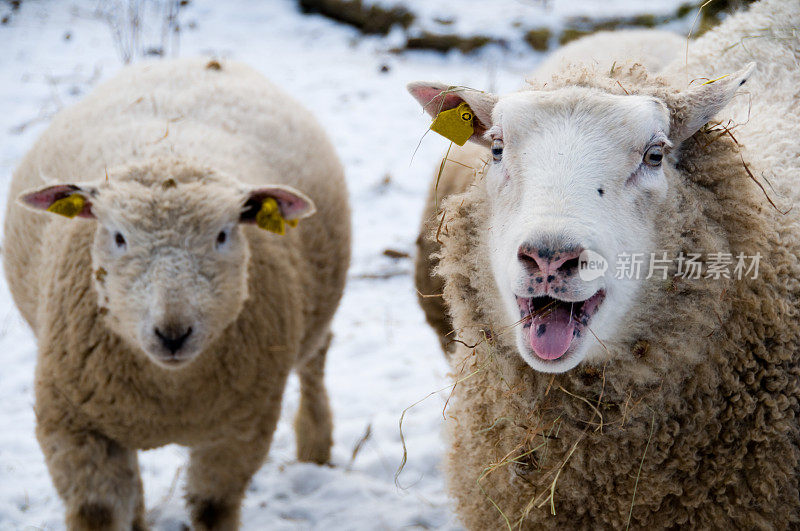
(551,333)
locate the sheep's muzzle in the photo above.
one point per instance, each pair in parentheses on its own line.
(552,326)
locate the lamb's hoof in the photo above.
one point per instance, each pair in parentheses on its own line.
(319,456)
(213,515)
(92,517)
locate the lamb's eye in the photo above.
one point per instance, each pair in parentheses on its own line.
(653,156)
(119,240)
(222,237)
(497,149)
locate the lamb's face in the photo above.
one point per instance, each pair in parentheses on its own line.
(170,259)
(575,186)
(575,182)
(170,271)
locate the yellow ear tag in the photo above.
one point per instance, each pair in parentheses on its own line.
(455,124)
(69,206)
(270,218)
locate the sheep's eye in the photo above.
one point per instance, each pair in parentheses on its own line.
(497,149)
(222,237)
(653,156)
(119,239)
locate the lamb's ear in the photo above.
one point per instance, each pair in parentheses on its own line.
(272,207)
(694,107)
(69,200)
(437,97)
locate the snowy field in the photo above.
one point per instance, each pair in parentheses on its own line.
(384,357)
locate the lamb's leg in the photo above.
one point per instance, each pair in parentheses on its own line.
(96,477)
(217,479)
(140,515)
(313,425)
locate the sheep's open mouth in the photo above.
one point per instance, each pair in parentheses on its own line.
(551,324)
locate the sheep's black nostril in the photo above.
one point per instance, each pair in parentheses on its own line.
(570,267)
(173,339)
(528,261)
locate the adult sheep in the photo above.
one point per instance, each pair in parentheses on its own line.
(655,402)
(654,49)
(163,312)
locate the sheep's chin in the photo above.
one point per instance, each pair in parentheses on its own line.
(169,361)
(172,362)
(570,360)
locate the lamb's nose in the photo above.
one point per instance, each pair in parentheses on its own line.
(549,263)
(173,338)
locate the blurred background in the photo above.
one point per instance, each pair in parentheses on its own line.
(348,61)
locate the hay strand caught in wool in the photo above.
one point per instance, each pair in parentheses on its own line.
(594,408)
(689,36)
(490,428)
(439,228)
(439,175)
(533,502)
(505,518)
(404,459)
(446,402)
(771,202)
(429,296)
(552,496)
(639,473)
(447,159)
(491,468)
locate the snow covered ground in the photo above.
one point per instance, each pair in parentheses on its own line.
(384,357)
(507,21)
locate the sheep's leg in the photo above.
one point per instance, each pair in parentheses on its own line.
(313,425)
(217,479)
(96,477)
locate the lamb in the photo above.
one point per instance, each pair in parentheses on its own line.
(654,49)
(661,401)
(163,311)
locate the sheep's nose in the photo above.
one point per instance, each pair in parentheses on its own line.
(549,263)
(173,338)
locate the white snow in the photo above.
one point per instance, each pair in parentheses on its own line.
(384,357)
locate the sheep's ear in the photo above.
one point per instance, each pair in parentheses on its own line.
(693,108)
(273,207)
(437,97)
(68,200)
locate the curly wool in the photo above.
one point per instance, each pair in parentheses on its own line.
(695,422)
(453,175)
